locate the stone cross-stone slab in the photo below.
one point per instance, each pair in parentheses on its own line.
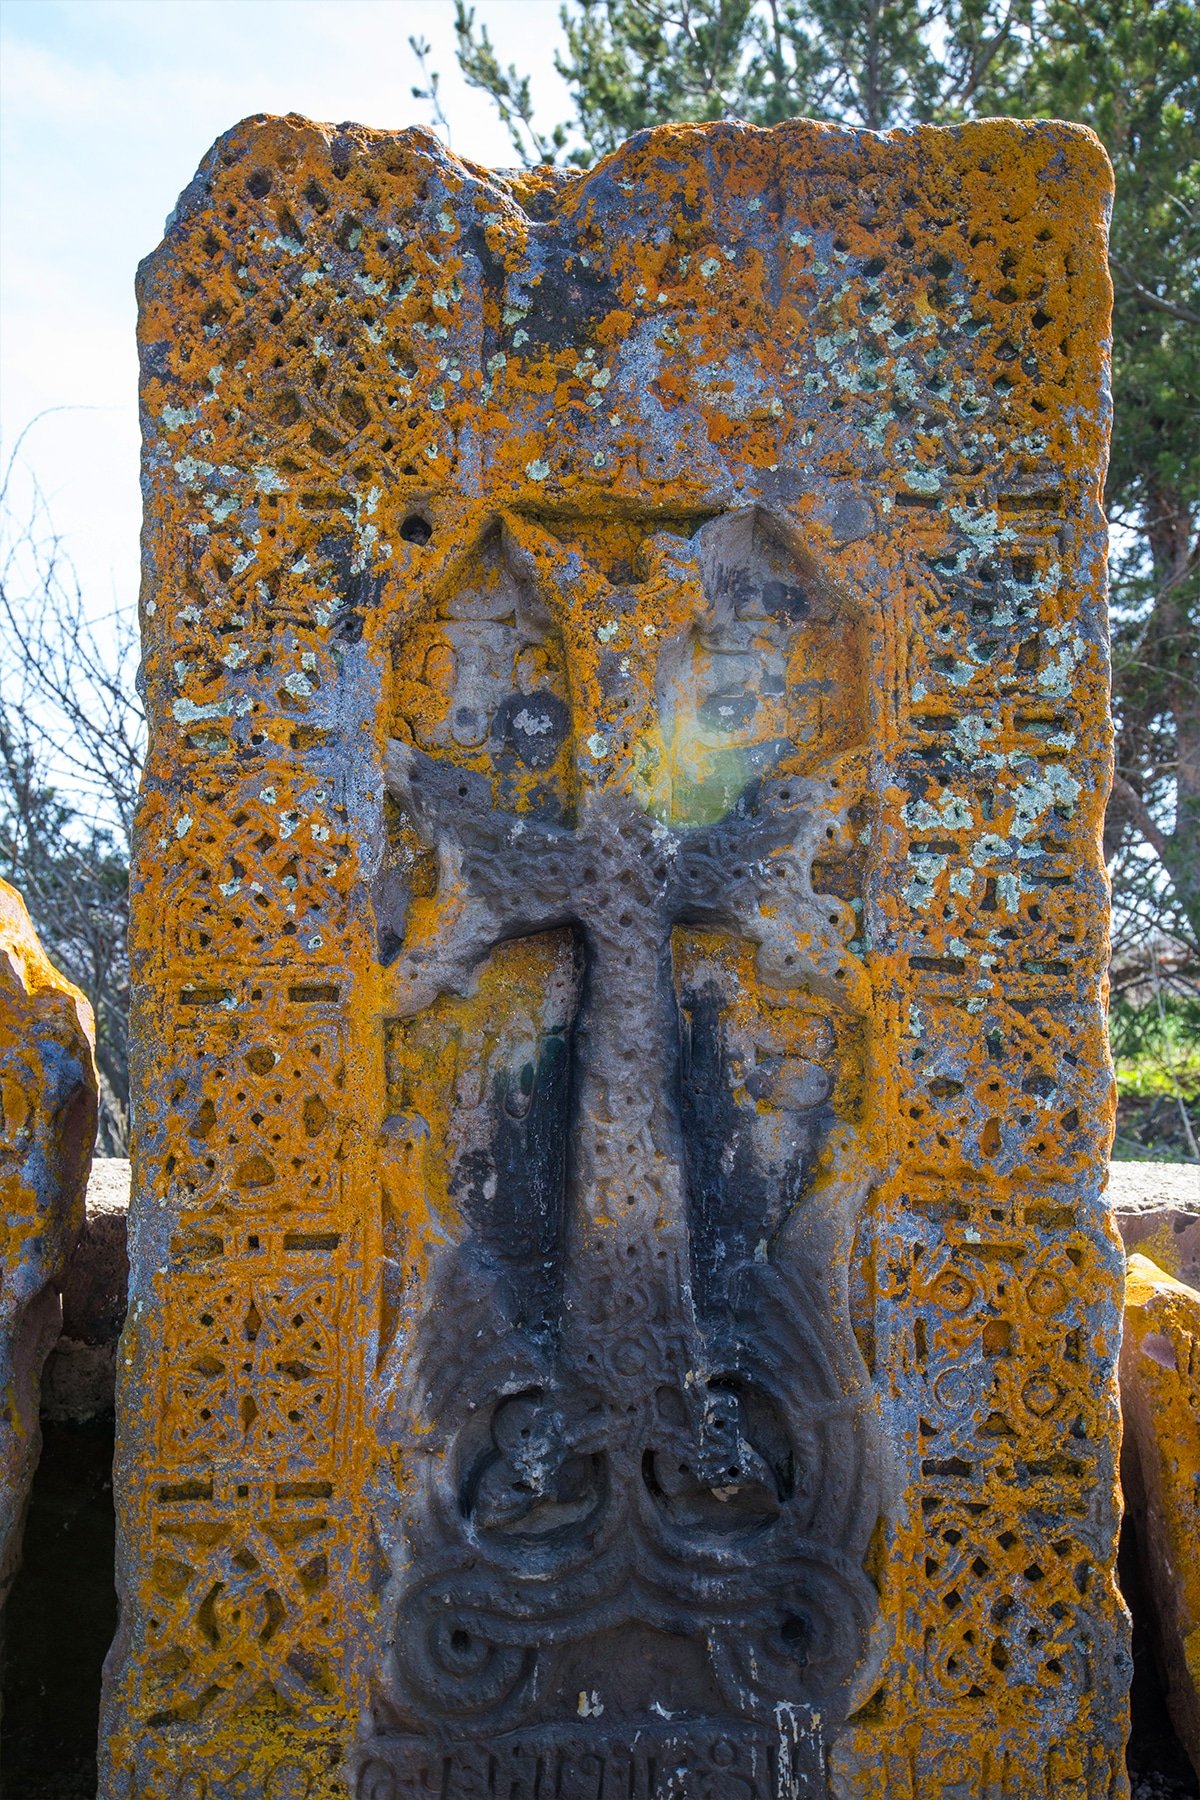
(622,1297)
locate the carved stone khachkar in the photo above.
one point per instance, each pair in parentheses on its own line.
(623,1300)
(47,1129)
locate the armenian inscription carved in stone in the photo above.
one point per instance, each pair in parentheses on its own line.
(623,1303)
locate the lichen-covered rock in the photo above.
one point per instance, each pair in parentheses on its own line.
(1157,1209)
(47,1128)
(623,1300)
(1170,1238)
(1160,1472)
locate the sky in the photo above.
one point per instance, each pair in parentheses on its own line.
(106,108)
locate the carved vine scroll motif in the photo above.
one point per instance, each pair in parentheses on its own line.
(640,1419)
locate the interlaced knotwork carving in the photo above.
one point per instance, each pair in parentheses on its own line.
(698,560)
(240,1612)
(669,1440)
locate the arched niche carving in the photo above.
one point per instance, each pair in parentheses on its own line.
(625,1133)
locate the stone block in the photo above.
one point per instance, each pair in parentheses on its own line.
(1160,1473)
(47,1129)
(623,1300)
(95,1286)
(80,1378)
(1157,1209)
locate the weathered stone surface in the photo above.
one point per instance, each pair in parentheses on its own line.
(1160,1472)
(95,1286)
(623,1299)
(47,1128)
(80,1378)
(1157,1209)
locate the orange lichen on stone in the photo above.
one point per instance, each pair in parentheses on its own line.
(622,1288)
(1169,1236)
(47,1129)
(1160,1473)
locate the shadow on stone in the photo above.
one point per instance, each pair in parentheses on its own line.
(60,1619)
(1158,1767)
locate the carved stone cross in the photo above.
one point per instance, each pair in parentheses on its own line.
(691,1306)
(645,1409)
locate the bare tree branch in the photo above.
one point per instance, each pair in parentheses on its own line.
(1148,297)
(1127,800)
(71,738)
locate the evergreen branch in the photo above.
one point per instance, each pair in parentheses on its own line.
(1148,297)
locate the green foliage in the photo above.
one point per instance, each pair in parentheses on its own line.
(1131,70)
(1157,1053)
(508,89)
(1155,1037)
(630,64)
